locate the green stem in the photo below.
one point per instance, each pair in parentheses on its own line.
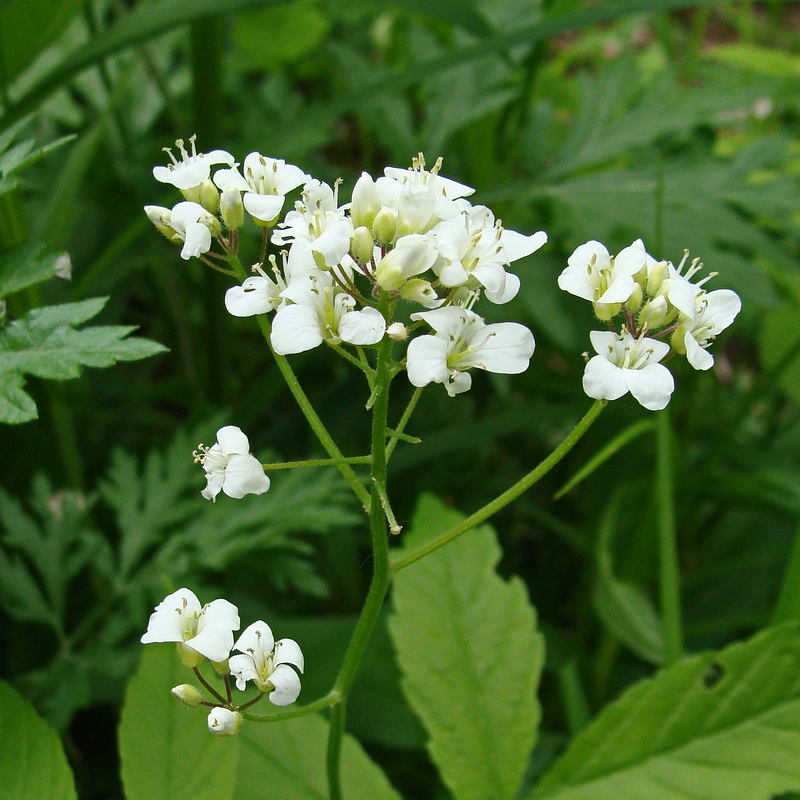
(501,501)
(380,574)
(330,699)
(401,425)
(669,573)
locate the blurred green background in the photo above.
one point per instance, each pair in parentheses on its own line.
(676,122)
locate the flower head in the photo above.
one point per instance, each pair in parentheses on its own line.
(224,722)
(192,169)
(229,466)
(199,631)
(463,340)
(267,663)
(624,364)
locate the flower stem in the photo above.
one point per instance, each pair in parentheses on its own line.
(380,575)
(501,501)
(397,433)
(668,571)
(317,462)
(331,699)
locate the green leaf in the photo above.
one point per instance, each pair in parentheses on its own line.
(166,748)
(717,726)
(45,343)
(286,759)
(28,264)
(471,657)
(32,760)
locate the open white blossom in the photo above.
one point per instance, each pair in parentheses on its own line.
(192,169)
(474,250)
(199,631)
(321,312)
(266,182)
(606,281)
(462,341)
(187,222)
(715,311)
(224,722)
(229,466)
(267,663)
(625,364)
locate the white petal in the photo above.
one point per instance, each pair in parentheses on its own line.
(256,637)
(295,329)
(264,207)
(287,685)
(504,347)
(287,651)
(458,382)
(362,327)
(427,360)
(603,380)
(449,321)
(165,623)
(508,293)
(254,296)
(244,475)
(651,386)
(224,178)
(243,669)
(696,355)
(232,440)
(517,245)
(198,240)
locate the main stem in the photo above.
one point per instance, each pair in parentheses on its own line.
(380,574)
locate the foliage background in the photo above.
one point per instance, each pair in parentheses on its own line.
(676,122)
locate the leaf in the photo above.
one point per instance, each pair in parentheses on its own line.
(45,343)
(32,760)
(286,759)
(721,726)
(26,265)
(471,657)
(166,748)
(624,608)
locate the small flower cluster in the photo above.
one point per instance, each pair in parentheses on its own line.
(410,235)
(206,632)
(664,313)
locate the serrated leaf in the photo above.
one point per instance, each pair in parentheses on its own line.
(166,748)
(721,726)
(289,758)
(26,265)
(32,760)
(471,657)
(16,405)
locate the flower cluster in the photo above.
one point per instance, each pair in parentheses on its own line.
(206,632)
(663,311)
(345,270)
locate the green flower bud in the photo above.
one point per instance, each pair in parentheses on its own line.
(363,245)
(188,695)
(384,226)
(232,208)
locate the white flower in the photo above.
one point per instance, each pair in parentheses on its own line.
(320,312)
(412,255)
(462,341)
(605,281)
(193,169)
(715,311)
(317,220)
(198,630)
(224,722)
(265,183)
(187,222)
(266,663)
(624,364)
(229,467)
(474,250)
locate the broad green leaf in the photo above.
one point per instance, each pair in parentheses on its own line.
(166,748)
(28,264)
(471,657)
(32,761)
(717,726)
(761,60)
(286,759)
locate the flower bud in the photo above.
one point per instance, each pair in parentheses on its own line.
(419,291)
(364,201)
(658,274)
(384,226)
(654,314)
(634,302)
(412,256)
(232,208)
(605,311)
(363,245)
(205,193)
(188,695)
(160,217)
(224,722)
(397,331)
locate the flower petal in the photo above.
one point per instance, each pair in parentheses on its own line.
(287,685)
(244,475)
(427,360)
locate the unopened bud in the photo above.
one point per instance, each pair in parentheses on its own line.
(384,226)
(232,208)
(205,193)
(188,695)
(397,331)
(654,313)
(160,217)
(634,302)
(658,274)
(224,722)
(364,201)
(362,246)
(419,291)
